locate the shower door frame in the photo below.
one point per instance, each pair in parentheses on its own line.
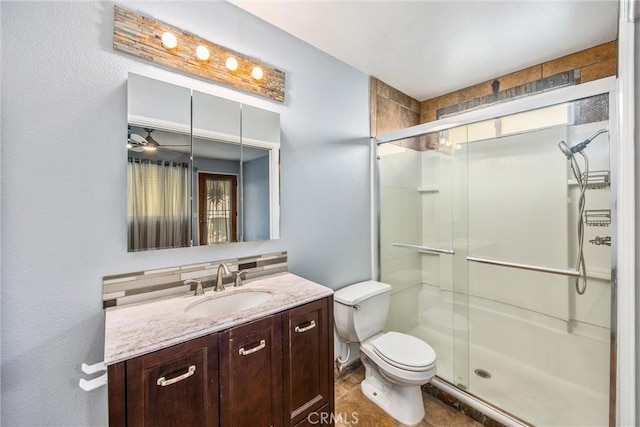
(619,310)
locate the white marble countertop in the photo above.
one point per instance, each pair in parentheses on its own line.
(137,329)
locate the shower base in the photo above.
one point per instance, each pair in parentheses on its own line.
(519,389)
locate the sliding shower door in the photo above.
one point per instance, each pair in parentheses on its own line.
(496,237)
(539,341)
(422,229)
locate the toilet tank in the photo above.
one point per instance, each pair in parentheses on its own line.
(360,310)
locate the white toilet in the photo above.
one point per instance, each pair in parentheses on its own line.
(396,364)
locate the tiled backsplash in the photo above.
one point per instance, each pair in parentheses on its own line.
(121,289)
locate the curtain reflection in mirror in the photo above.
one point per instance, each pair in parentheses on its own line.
(158,208)
(217,213)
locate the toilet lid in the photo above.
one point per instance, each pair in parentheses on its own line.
(404,351)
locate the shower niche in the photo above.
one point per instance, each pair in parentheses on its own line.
(501,261)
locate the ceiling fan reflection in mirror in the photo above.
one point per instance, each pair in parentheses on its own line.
(151,144)
(139,144)
(135,142)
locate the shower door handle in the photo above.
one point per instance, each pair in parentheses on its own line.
(424,249)
(561,271)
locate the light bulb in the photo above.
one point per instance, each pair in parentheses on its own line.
(202,53)
(169,41)
(231,63)
(257,73)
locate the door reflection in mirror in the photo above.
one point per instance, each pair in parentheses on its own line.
(217,214)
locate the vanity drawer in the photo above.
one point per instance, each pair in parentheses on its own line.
(307,370)
(174,386)
(251,374)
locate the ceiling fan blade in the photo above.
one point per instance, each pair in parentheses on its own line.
(134,137)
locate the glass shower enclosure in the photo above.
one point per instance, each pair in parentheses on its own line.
(500,256)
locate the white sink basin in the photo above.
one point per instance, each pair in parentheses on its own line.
(230,303)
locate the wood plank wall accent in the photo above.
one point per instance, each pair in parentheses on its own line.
(590,64)
(142,37)
(391,110)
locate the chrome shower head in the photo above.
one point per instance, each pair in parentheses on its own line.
(565,149)
(569,151)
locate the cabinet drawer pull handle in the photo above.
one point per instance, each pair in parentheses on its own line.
(259,347)
(164,382)
(311,325)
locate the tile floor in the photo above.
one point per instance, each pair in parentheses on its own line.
(350,400)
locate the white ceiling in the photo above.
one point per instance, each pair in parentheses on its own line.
(429,48)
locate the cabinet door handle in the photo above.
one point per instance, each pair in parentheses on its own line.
(164,382)
(259,347)
(310,326)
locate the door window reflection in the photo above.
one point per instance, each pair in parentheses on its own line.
(217,214)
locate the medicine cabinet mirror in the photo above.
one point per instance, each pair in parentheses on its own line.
(202,169)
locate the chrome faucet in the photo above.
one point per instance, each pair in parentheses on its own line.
(199,290)
(238,281)
(219,285)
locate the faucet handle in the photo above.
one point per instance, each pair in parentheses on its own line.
(238,278)
(199,290)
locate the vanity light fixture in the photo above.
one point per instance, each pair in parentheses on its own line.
(257,73)
(231,63)
(202,53)
(169,41)
(157,42)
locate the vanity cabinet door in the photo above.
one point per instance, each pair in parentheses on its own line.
(251,374)
(308,355)
(177,386)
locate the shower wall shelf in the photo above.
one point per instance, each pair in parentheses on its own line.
(428,189)
(424,249)
(595,180)
(597,217)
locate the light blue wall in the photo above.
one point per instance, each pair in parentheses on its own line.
(63,183)
(202,164)
(255,196)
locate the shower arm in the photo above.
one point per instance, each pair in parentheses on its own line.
(582,145)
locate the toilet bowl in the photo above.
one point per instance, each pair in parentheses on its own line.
(396,364)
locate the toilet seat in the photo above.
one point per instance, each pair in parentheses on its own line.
(404,351)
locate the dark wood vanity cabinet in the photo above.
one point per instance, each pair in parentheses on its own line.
(308,369)
(251,374)
(177,386)
(276,371)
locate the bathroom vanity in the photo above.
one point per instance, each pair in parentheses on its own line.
(176,362)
